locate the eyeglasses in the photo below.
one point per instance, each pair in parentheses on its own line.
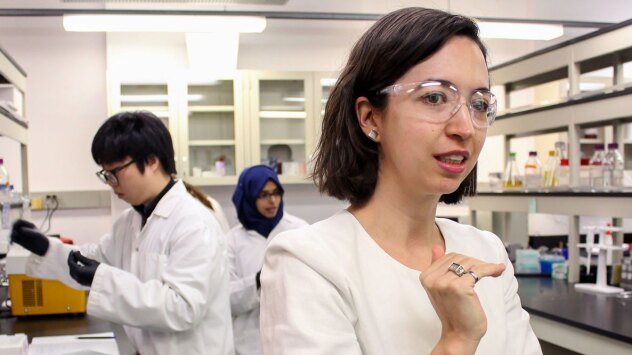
(109,176)
(438,101)
(264,195)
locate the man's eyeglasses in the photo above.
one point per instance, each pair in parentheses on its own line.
(264,195)
(109,176)
(438,101)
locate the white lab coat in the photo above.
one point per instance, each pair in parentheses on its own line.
(166,283)
(246,249)
(218,213)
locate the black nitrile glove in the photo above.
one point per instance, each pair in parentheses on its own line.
(258,279)
(82,269)
(26,234)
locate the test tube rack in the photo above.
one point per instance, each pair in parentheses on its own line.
(601,285)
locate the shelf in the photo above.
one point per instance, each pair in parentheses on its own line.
(283,114)
(591,141)
(218,108)
(212,181)
(145,108)
(283,141)
(11,71)
(211,143)
(13,128)
(598,204)
(594,110)
(282,108)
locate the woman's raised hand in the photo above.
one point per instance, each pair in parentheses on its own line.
(463,322)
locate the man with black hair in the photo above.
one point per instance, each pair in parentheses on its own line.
(162,272)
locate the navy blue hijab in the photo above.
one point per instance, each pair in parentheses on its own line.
(251,182)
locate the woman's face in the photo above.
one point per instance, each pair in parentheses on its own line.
(429,157)
(269,199)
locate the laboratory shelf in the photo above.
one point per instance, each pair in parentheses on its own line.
(211,142)
(13,128)
(592,110)
(145,108)
(283,141)
(581,203)
(10,126)
(283,115)
(225,108)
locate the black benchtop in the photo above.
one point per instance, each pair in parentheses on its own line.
(557,300)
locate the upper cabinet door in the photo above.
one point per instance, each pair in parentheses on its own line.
(147,97)
(211,131)
(282,123)
(323,84)
(158,98)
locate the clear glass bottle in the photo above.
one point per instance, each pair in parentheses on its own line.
(511,177)
(613,167)
(533,171)
(550,170)
(596,167)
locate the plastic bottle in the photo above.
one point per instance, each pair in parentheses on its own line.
(511,177)
(563,170)
(613,167)
(220,166)
(4,175)
(533,170)
(596,167)
(584,172)
(550,170)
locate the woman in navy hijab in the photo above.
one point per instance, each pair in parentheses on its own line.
(258,199)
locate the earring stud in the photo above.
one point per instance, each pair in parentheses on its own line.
(373,135)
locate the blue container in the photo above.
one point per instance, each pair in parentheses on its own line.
(547,261)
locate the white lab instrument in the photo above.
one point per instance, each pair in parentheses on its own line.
(605,248)
(590,241)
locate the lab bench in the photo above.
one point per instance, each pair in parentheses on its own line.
(584,322)
(64,324)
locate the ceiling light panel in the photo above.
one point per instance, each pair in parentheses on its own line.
(164,23)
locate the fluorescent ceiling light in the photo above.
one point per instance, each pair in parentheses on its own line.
(528,31)
(164,23)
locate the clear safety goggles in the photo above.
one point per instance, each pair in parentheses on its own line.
(438,101)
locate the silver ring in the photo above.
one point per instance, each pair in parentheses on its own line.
(457,269)
(474,276)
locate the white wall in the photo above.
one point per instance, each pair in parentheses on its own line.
(65,104)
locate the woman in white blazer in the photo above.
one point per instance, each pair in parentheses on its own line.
(402,131)
(258,199)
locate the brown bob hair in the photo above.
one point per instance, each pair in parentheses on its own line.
(346,162)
